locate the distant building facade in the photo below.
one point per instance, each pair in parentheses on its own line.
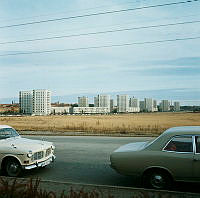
(122,103)
(61,110)
(83,101)
(134,105)
(26,102)
(148,105)
(35,102)
(112,105)
(102,101)
(165,106)
(91,110)
(176,106)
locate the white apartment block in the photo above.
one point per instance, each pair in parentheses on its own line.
(91,110)
(122,103)
(133,102)
(83,101)
(25,102)
(102,101)
(35,102)
(165,106)
(176,106)
(134,105)
(148,105)
(142,107)
(111,105)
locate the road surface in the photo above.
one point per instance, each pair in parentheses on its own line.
(85,159)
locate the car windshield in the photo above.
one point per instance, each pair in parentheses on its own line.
(8,133)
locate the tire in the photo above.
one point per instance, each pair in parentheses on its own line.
(157,179)
(12,167)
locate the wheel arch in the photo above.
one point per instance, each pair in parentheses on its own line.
(5,158)
(154,168)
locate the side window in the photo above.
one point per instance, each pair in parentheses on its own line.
(197,141)
(180,144)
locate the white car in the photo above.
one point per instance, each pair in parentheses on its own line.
(17,153)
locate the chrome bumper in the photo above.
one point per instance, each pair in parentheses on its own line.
(40,164)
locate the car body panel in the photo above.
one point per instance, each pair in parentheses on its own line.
(182,166)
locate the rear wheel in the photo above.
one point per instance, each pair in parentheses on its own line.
(12,167)
(157,179)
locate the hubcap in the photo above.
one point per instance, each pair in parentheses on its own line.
(13,169)
(157,181)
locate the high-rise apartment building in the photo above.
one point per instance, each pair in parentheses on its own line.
(122,103)
(133,102)
(26,102)
(165,106)
(148,104)
(102,101)
(176,106)
(142,107)
(111,105)
(155,107)
(35,102)
(83,101)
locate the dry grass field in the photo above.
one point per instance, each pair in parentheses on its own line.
(139,124)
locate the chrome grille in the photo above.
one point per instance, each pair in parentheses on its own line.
(37,155)
(48,152)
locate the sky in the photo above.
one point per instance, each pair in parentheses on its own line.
(158,66)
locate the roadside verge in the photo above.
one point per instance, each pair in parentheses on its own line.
(101,191)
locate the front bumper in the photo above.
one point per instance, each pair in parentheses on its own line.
(40,164)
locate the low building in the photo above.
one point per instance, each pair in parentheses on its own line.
(134,109)
(91,110)
(9,108)
(61,110)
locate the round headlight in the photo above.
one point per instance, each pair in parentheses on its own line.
(29,154)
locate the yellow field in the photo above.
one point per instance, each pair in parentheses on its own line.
(141,123)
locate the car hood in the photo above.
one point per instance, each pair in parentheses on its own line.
(25,145)
(132,147)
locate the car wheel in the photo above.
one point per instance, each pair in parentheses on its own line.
(157,179)
(12,167)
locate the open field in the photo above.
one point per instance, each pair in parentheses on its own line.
(139,124)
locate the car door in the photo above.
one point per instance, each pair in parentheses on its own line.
(196,158)
(178,157)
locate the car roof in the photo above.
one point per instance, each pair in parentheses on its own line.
(182,130)
(4,126)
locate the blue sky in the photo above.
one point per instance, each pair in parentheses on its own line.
(160,66)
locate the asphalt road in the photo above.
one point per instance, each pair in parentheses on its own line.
(85,159)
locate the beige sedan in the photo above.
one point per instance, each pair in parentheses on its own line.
(173,156)
(18,154)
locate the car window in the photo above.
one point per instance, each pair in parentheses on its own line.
(180,144)
(197,141)
(7,133)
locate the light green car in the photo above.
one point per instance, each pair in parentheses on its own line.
(18,154)
(173,156)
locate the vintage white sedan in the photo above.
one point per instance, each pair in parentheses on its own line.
(17,153)
(173,156)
